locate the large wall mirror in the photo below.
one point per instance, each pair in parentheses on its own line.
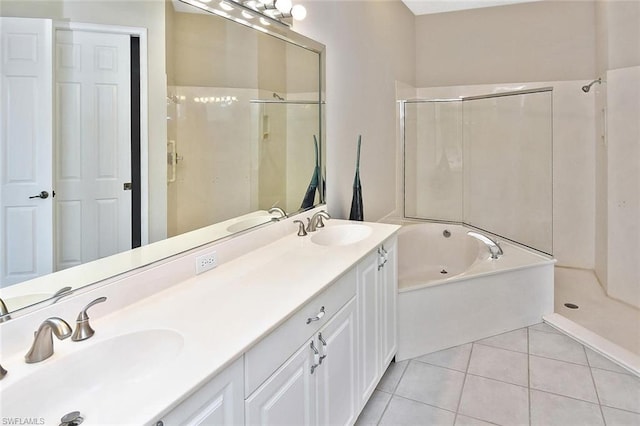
(153,128)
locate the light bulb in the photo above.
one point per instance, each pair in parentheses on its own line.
(299,12)
(226,6)
(247,14)
(284,6)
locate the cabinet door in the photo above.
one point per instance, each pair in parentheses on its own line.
(368,328)
(336,375)
(388,300)
(288,396)
(219,402)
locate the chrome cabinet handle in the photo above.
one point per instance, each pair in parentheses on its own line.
(383,254)
(316,358)
(42,194)
(324,347)
(317,317)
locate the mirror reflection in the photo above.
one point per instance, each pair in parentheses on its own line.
(242,115)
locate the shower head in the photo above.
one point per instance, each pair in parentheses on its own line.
(586,88)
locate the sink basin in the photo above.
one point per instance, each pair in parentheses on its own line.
(248,223)
(341,235)
(81,380)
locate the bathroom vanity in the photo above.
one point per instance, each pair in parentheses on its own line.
(286,329)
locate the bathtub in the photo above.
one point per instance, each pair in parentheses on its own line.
(451,292)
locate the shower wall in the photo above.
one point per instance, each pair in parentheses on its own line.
(485,162)
(212,180)
(507,187)
(433,160)
(573,162)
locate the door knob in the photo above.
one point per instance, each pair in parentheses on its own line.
(43,195)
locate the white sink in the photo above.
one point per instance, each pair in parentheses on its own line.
(341,235)
(79,381)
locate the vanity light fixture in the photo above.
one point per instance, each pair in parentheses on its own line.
(299,12)
(226,6)
(284,6)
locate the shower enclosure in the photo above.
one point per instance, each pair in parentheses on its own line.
(485,161)
(269,163)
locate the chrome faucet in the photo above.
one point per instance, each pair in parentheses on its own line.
(4,312)
(278,210)
(42,347)
(492,245)
(83,329)
(316,221)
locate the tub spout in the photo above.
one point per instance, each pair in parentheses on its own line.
(492,245)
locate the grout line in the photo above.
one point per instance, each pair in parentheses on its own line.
(595,388)
(569,397)
(562,360)
(384,410)
(401,376)
(424,403)
(498,380)
(464,382)
(498,347)
(393,392)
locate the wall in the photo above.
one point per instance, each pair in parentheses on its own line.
(617,153)
(549,41)
(539,41)
(370,45)
(145,14)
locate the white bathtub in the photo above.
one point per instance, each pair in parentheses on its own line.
(451,292)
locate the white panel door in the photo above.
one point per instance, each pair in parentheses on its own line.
(288,396)
(368,327)
(388,300)
(93,145)
(26,149)
(337,372)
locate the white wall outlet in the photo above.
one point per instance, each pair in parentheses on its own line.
(206,262)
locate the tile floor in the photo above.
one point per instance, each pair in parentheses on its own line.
(530,376)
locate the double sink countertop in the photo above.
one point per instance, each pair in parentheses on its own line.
(150,355)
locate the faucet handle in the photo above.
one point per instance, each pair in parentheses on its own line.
(301,231)
(83,329)
(320,223)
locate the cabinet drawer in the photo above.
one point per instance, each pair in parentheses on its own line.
(269,354)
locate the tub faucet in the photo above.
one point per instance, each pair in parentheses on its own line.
(316,221)
(278,210)
(4,312)
(42,347)
(492,245)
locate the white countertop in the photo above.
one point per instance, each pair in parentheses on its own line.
(220,314)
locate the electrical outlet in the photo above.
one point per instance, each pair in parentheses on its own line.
(206,262)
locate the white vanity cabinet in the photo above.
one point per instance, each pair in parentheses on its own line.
(316,384)
(320,365)
(219,402)
(377,293)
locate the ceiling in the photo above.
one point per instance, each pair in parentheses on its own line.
(424,7)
